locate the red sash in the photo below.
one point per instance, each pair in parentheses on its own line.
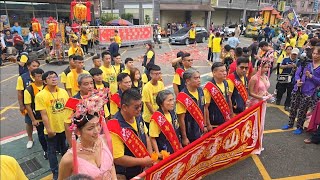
(219,99)
(180,71)
(72,103)
(192,108)
(240,87)
(167,129)
(129,138)
(116,99)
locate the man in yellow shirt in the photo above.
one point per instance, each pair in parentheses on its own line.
(293,40)
(117,38)
(35,116)
(118,65)
(178,83)
(124,83)
(216,47)
(192,35)
(63,75)
(10,169)
(128,63)
(219,109)
(109,72)
(48,40)
(129,163)
(23,82)
(150,92)
(72,83)
(51,104)
(191,128)
(238,85)
(75,49)
(303,38)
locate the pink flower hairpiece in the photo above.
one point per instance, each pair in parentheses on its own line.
(91,104)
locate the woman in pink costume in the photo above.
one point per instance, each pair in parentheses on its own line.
(91,155)
(259,83)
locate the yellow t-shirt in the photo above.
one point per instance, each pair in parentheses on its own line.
(27,95)
(176,79)
(75,51)
(126,71)
(210,41)
(180,107)
(192,34)
(150,54)
(99,86)
(216,44)
(118,145)
(20,86)
(54,105)
(144,78)
(207,94)
(48,39)
(118,68)
(231,85)
(110,76)
(113,108)
(10,169)
(293,42)
(155,129)
(84,40)
(280,59)
(117,39)
(72,81)
(302,39)
(149,94)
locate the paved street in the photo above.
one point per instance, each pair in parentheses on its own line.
(285,155)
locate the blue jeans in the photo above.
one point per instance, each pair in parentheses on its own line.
(58,141)
(41,137)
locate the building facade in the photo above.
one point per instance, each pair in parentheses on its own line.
(307,8)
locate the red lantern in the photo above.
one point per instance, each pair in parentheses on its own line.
(52,27)
(36,26)
(80,10)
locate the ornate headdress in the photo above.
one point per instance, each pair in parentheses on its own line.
(91,104)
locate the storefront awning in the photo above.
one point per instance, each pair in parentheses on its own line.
(186,7)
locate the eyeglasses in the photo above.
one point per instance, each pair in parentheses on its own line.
(244,67)
(52,77)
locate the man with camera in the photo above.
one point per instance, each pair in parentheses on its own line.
(285,80)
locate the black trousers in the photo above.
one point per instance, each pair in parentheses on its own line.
(210,54)
(84,48)
(281,89)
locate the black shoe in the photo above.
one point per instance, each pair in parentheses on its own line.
(287,108)
(278,103)
(45,155)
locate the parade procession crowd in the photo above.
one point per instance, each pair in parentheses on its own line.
(113,121)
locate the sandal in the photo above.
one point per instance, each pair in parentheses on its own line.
(308,141)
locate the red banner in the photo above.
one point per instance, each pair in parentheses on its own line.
(234,140)
(128,34)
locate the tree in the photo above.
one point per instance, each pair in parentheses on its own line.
(147,19)
(127,16)
(106,17)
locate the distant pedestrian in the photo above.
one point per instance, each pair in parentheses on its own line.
(233,41)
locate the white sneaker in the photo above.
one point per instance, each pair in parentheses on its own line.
(29,144)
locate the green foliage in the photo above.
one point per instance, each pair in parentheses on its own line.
(106,17)
(147,19)
(127,16)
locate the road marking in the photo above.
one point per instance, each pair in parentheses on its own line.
(281,108)
(276,131)
(8,107)
(49,177)
(7,65)
(307,176)
(265,175)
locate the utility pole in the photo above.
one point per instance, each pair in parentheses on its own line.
(112,8)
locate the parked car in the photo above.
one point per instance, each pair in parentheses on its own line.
(231,28)
(182,36)
(313,26)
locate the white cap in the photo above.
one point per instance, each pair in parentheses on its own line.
(295,51)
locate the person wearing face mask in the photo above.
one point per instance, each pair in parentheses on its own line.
(285,80)
(93,151)
(238,85)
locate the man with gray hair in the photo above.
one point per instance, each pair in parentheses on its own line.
(190,108)
(85,85)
